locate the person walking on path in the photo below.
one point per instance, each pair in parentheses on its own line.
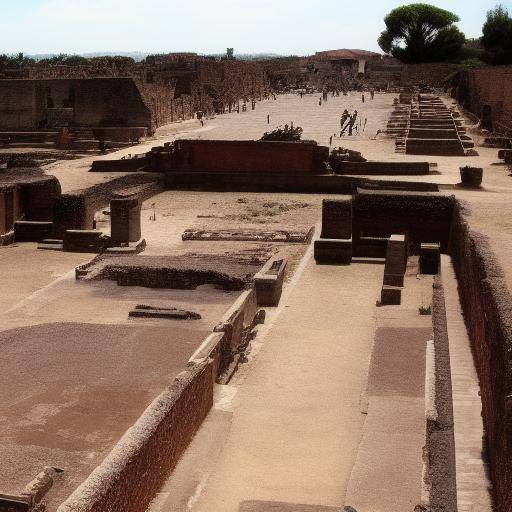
(344,118)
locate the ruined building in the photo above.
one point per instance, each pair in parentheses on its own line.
(143,96)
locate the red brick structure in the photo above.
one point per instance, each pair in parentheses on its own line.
(487,93)
(148,94)
(245,156)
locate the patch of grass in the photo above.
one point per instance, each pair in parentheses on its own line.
(425,310)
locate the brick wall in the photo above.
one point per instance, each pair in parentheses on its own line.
(422,217)
(247,156)
(149,95)
(487,307)
(95,102)
(137,467)
(432,73)
(488,87)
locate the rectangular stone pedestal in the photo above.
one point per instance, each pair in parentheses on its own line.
(430,258)
(32,231)
(268,282)
(396,261)
(329,250)
(82,240)
(125,219)
(391,295)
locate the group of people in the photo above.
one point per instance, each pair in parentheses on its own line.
(348,122)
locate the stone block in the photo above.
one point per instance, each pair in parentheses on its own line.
(82,240)
(328,250)
(337,218)
(32,231)
(471,176)
(430,258)
(396,261)
(268,282)
(391,295)
(125,219)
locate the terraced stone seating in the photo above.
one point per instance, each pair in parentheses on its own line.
(434,131)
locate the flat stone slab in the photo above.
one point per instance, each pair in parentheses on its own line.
(143,311)
(249,235)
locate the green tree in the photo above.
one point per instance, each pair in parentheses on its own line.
(497,36)
(422,33)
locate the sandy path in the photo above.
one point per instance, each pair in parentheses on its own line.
(472,477)
(297,422)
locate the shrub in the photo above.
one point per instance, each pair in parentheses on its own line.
(288,133)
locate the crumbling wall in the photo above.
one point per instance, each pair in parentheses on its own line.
(75,210)
(32,104)
(487,93)
(432,74)
(487,307)
(134,471)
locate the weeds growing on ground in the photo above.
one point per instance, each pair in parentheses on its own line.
(425,310)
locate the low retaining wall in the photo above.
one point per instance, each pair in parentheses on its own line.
(259,182)
(422,217)
(383,168)
(120,165)
(487,307)
(137,467)
(75,210)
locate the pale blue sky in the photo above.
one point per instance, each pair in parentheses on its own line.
(207,26)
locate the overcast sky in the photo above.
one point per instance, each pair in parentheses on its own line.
(207,26)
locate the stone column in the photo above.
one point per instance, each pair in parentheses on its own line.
(125,219)
(396,261)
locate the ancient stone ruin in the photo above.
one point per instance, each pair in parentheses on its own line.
(196,318)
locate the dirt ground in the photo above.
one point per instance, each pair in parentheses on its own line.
(82,335)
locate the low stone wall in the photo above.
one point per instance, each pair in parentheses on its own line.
(286,183)
(382,168)
(487,307)
(137,467)
(423,217)
(120,165)
(75,210)
(432,73)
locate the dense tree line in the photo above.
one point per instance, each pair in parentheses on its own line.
(425,33)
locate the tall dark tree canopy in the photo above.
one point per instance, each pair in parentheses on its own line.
(422,33)
(497,36)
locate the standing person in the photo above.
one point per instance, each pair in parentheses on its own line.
(330,140)
(320,101)
(268,118)
(362,97)
(344,118)
(352,122)
(372,93)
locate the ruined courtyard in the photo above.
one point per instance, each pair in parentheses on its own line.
(194,318)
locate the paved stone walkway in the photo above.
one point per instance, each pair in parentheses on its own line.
(297,419)
(472,481)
